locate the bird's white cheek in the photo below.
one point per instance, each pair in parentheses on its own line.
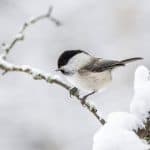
(79,61)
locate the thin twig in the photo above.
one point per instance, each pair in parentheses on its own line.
(21,34)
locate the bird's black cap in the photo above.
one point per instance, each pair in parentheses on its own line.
(66,56)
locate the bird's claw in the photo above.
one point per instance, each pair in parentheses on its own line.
(73,91)
(83,100)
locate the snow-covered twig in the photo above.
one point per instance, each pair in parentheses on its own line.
(21,34)
(36,73)
(40,75)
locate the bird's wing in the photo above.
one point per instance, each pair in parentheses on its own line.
(102,65)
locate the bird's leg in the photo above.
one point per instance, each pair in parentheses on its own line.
(73,91)
(83,99)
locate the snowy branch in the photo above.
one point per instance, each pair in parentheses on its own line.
(36,73)
(21,34)
(39,75)
(140,105)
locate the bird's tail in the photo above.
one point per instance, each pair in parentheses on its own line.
(125,61)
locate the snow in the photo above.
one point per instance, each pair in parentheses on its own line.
(111,138)
(35,72)
(91,104)
(140,105)
(106,28)
(5,63)
(122,119)
(18,36)
(118,133)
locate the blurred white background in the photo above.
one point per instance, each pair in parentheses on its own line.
(38,116)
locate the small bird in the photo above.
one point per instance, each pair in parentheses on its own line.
(86,72)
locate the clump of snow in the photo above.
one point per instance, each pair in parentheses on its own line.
(118,133)
(91,104)
(35,71)
(18,36)
(115,138)
(56,77)
(140,105)
(5,63)
(124,120)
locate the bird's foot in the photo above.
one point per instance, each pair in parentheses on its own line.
(73,92)
(83,99)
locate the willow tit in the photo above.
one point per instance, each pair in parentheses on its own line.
(86,72)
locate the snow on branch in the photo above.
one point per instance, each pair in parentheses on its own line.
(129,130)
(21,34)
(140,105)
(118,134)
(36,73)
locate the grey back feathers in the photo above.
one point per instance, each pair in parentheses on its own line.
(102,65)
(99,65)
